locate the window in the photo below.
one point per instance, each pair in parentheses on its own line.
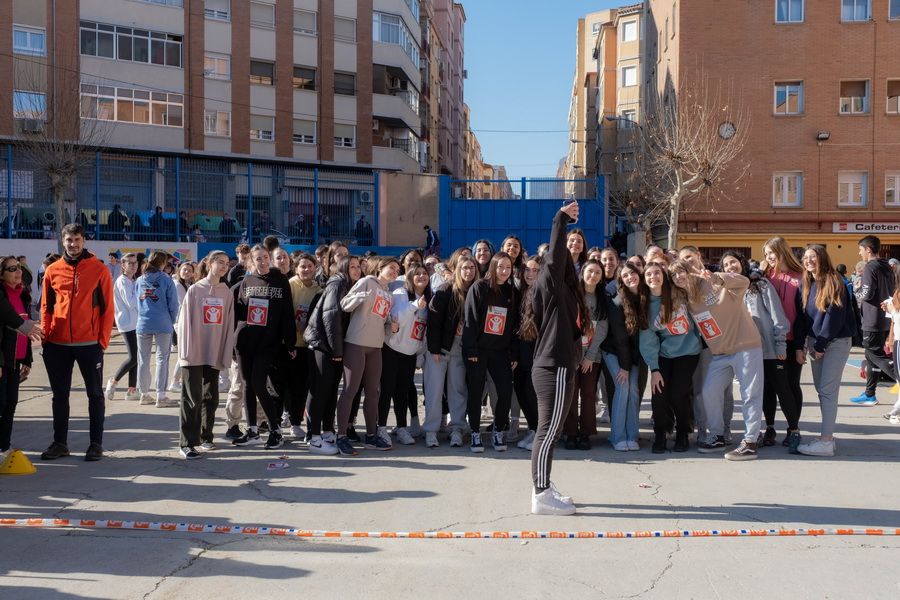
(595,28)
(217,9)
(629,31)
(414,8)
(894,10)
(304,78)
(674,17)
(788,11)
(305,22)
(29,40)
(892,188)
(345,29)
(787,189)
(627,119)
(129,105)
(217,123)
(178,3)
(852,188)
(262,73)
(29,105)
(855,10)
(390,29)
(629,76)
(893,96)
(854,97)
(135,45)
(217,66)
(262,128)
(262,14)
(304,132)
(345,84)
(666,37)
(344,136)
(788,97)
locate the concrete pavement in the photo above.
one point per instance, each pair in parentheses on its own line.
(414,488)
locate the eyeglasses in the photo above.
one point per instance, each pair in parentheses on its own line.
(11,269)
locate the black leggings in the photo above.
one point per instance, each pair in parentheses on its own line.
(300,373)
(794,370)
(526,395)
(495,362)
(130,364)
(9,399)
(397,372)
(255,368)
(775,383)
(673,404)
(323,403)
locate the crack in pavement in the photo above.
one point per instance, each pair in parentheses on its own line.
(206,547)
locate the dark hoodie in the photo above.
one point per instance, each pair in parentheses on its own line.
(264,312)
(877,285)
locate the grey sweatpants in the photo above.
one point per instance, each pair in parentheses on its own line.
(747,367)
(452,368)
(827,373)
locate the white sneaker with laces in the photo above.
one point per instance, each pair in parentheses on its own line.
(207,446)
(404,437)
(456,438)
(431,440)
(547,503)
(526,442)
(603,413)
(318,445)
(560,495)
(633,445)
(167,403)
(110,392)
(817,448)
(620,446)
(175,386)
(297,432)
(132,395)
(329,437)
(382,432)
(147,400)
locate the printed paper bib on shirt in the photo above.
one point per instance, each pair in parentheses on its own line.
(418,331)
(495,321)
(301,315)
(708,326)
(382,305)
(258,312)
(679,325)
(213,311)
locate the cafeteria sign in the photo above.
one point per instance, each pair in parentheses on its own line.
(865,228)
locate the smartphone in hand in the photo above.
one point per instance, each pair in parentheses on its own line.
(568,202)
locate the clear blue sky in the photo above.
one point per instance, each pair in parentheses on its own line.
(520,55)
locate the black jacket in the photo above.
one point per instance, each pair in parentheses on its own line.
(555,304)
(443,319)
(327,322)
(877,285)
(279,328)
(479,301)
(618,341)
(9,332)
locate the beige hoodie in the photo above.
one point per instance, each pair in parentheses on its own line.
(205,326)
(369,304)
(721,316)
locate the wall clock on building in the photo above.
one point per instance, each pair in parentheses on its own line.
(726,130)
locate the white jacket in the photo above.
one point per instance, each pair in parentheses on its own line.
(410,338)
(125,304)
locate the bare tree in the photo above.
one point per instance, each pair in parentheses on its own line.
(57,141)
(692,148)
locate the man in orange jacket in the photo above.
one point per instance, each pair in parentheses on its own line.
(77,317)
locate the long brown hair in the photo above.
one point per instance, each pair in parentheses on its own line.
(829,285)
(692,292)
(667,307)
(491,275)
(528,329)
(785,255)
(203,265)
(634,306)
(459,286)
(156,261)
(328,258)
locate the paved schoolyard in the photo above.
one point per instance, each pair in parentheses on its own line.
(414,488)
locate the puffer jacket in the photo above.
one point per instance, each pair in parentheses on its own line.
(327,322)
(443,320)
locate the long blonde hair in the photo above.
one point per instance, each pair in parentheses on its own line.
(692,292)
(785,255)
(830,287)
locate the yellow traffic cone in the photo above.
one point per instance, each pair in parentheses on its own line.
(17,464)
(895,389)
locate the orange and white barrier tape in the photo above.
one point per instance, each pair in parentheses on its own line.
(314,533)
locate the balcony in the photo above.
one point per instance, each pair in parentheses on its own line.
(395,159)
(396,107)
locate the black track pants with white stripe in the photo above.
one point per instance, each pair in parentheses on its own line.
(554,387)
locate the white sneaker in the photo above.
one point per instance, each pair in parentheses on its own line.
(431,440)
(382,432)
(132,395)
(110,393)
(894,420)
(329,437)
(633,445)
(817,448)
(415,428)
(175,386)
(207,446)
(512,434)
(498,441)
(526,442)
(558,494)
(603,413)
(404,437)
(318,445)
(547,503)
(456,438)
(297,432)
(620,446)
(285,420)
(147,400)
(163,402)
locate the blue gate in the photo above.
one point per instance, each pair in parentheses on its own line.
(492,209)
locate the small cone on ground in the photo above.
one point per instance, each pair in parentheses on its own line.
(895,388)
(17,464)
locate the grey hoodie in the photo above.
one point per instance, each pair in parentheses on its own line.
(768,315)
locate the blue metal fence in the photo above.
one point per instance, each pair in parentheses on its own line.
(170,198)
(492,209)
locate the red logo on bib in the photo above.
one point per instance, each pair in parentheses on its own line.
(382,306)
(418,331)
(495,322)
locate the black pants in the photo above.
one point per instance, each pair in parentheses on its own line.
(9,399)
(255,367)
(323,404)
(672,406)
(873,343)
(130,364)
(794,370)
(199,400)
(60,361)
(300,375)
(554,388)
(526,395)
(775,383)
(397,372)
(495,362)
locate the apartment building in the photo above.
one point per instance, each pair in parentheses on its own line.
(821,82)
(449,26)
(473,163)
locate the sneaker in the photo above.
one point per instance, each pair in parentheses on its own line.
(727,437)
(352,435)
(376,442)
(512,434)
(571,442)
(745,451)
(603,413)
(132,395)
(558,494)
(528,441)
(498,441)
(894,420)
(711,446)
(285,420)
(682,442)
(276,440)
(477,447)
(456,438)
(817,448)
(431,440)
(633,445)
(620,446)
(264,427)
(344,447)
(405,437)
(769,437)
(207,446)
(584,442)
(415,429)
(547,503)
(147,400)
(175,386)
(94,452)
(167,403)
(110,392)
(250,438)
(382,432)
(793,439)
(188,453)
(233,433)
(864,400)
(327,436)
(659,443)
(297,433)
(54,451)
(318,445)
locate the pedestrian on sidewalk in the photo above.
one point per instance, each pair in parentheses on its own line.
(77,321)
(183,278)
(126,309)
(157,310)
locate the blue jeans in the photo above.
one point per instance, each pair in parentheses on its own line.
(626,404)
